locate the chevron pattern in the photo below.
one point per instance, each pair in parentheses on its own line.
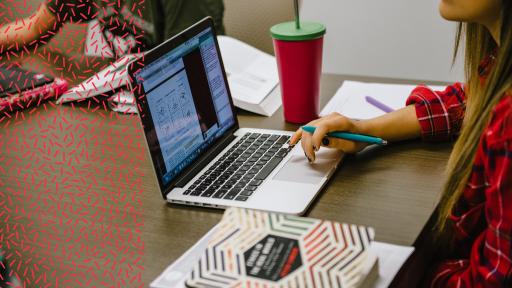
(332,254)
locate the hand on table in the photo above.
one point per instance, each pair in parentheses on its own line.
(332,122)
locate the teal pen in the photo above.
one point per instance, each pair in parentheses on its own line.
(349,136)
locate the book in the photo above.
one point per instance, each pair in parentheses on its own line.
(350,99)
(251,248)
(20,88)
(390,260)
(252,76)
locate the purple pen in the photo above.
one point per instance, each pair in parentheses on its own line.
(379,104)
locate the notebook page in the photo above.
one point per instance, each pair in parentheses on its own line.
(350,100)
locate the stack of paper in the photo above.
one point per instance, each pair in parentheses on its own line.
(351,99)
(252,76)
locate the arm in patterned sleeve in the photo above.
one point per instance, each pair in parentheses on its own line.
(440,113)
(490,260)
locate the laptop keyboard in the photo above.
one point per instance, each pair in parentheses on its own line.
(239,172)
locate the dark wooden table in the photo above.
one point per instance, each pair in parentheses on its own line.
(81,205)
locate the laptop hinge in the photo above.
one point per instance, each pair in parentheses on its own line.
(205,160)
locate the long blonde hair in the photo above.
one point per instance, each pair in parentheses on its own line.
(482,97)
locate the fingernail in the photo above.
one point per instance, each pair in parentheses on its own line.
(325,141)
(309,159)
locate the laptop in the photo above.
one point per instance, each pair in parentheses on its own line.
(200,155)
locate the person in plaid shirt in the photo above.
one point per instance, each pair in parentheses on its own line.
(475,222)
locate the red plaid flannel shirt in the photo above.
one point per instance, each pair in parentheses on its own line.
(482,218)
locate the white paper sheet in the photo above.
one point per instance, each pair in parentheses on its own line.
(391,258)
(252,76)
(176,274)
(256,82)
(123,102)
(350,100)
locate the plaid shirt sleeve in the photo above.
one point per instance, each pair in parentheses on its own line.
(490,260)
(440,113)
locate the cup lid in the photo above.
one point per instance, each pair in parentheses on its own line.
(288,32)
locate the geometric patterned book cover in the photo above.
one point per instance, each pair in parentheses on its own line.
(254,248)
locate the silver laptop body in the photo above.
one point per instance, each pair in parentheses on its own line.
(200,155)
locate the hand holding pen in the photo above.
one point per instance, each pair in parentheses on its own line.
(311,142)
(347,136)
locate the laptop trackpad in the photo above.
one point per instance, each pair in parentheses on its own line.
(298,169)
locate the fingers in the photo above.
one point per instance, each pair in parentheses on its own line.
(343,145)
(296,137)
(307,147)
(298,134)
(312,142)
(333,122)
(320,132)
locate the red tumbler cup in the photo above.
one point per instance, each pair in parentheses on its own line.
(299,60)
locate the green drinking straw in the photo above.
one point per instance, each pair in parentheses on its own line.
(297,19)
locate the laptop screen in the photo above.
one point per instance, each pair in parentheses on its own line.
(188,103)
